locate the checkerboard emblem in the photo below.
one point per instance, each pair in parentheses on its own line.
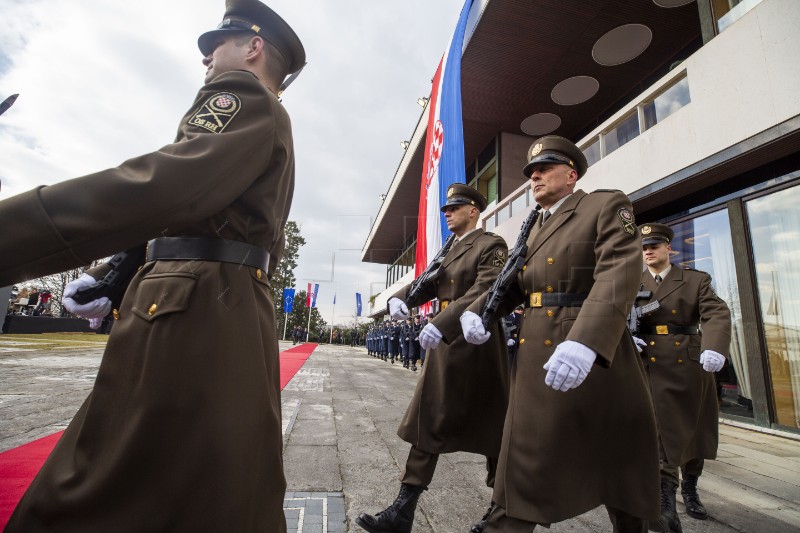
(217,112)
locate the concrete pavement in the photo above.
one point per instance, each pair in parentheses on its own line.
(342,455)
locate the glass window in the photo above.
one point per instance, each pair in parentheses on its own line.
(729,11)
(666,103)
(592,152)
(704,243)
(775,227)
(490,223)
(626,131)
(504,214)
(519,204)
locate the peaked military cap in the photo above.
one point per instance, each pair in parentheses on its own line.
(555,149)
(656,233)
(461,194)
(255,17)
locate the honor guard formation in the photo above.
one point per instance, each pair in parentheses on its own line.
(580,363)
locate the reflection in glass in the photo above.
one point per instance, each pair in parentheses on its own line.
(704,243)
(519,204)
(627,130)
(592,152)
(504,214)
(666,103)
(775,227)
(729,11)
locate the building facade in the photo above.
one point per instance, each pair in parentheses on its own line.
(690,108)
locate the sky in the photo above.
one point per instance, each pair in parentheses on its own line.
(101,82)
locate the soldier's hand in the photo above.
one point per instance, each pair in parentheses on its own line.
(511,342)
(472,327)
(640,343)
(569,365)
(94,309)
(397,309)
(429,337)
(712,361)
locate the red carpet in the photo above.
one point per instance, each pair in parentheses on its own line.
(19,466)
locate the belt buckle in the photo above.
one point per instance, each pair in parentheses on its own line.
(443,305)
(662,330)
(536,299)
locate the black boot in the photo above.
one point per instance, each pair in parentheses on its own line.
(668,522)
(398,517)
(478,526)
(694,507)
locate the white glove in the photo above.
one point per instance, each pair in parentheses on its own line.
(569,365)
(640,343)
(398,309)
(511,342)
(472,327)
(712,361)
(94,309)
(95,323)
(429,337)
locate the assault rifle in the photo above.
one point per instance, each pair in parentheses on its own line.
(433,271)
(638,313)
(123,266)
(516,260)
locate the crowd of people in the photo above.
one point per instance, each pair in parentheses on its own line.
(30,301)
(398,340)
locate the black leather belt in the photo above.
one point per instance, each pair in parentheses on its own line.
(669,330)
(556,299)
(202,249)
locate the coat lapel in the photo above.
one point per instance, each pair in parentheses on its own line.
(671,284)
(540,235)
(460,247)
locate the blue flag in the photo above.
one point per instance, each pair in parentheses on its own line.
(314,296)
(288,300)
(358,303)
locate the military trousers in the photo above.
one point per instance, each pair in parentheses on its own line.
(500,522)
(694,467)
(421,465)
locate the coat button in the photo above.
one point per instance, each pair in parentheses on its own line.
(152,310)
(550,260)
(258,273)
(652,359)
(452,282)
(652,343)
(115,314)
(522,341)
(548,342)
(677,343)
(674,311)
(524,315)
(524,268)
(680,361)
(549,288)
(550,313)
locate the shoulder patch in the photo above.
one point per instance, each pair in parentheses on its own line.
(628,222)
(499,257)
(217,112)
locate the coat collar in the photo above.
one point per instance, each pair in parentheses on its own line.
(539,235)
(669,285)
(462,246)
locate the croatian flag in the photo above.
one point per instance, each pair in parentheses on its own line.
(314,294)
(444,148)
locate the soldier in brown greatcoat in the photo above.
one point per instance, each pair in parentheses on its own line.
(462,394)
(182,430)
(580,429)
(681,361)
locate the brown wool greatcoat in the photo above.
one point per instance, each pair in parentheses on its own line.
(685,395)
(565,453)
(461,397)
(182,431)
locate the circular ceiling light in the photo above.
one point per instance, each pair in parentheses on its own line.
(540,124)
(575,90)
(622,44)
(672,3)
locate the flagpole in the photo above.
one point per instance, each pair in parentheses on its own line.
(285,321)
(333,314)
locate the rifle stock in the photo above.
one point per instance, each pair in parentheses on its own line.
(516,260)
(432,272)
